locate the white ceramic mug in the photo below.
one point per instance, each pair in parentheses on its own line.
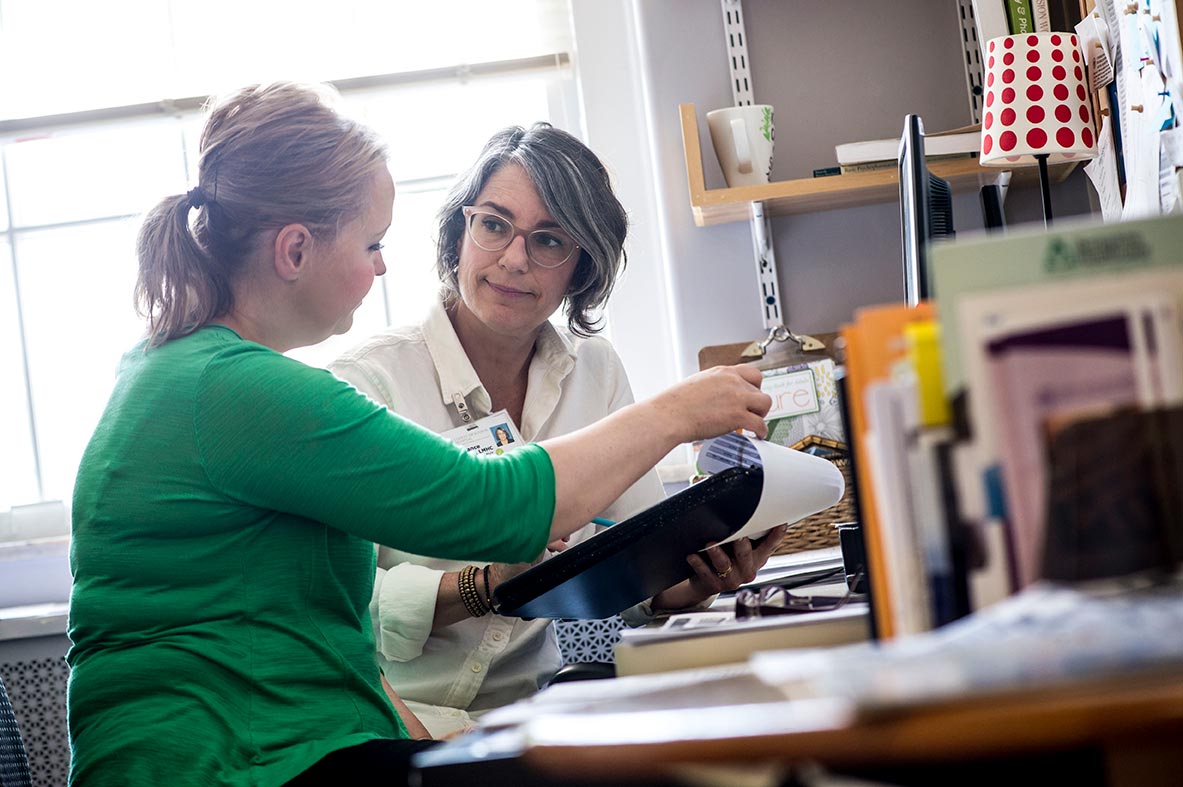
(743,138)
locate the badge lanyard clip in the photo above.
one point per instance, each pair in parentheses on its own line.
(461,407)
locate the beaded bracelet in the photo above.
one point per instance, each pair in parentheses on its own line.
(488,592)
(469,595)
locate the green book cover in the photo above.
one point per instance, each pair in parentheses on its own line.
(1070,249)
(1020,16)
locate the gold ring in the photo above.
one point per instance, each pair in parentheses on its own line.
(723,574)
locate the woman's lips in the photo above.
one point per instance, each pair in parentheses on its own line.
(507,291)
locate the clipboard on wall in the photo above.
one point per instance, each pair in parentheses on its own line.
(777,354)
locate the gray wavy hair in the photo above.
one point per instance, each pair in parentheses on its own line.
(575,188)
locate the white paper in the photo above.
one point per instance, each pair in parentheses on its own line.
(1172,145)
(1094,37)
(795,486)
(1043,636)
(1147,33)
(892,419)
(1141,146)
(1169,49)
(1102,172)
(1168,181)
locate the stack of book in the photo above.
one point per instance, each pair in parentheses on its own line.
(996,18)
(876,154)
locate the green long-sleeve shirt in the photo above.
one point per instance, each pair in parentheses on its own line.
(224,515)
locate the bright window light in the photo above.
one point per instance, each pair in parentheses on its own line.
(76,185)
(18,477)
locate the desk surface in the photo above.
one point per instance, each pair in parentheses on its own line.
(1106,713)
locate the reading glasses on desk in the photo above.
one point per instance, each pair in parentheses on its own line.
(772,600)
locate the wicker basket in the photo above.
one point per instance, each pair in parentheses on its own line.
(819,531)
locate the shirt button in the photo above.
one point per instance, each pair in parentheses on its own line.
(498,636)
(476,667)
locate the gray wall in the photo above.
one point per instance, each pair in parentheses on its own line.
(835,71)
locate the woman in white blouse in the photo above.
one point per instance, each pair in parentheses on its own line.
(531,227)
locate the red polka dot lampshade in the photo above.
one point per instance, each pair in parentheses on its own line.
(1037,101)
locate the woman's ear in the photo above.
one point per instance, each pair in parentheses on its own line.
(293,244)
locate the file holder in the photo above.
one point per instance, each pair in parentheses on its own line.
(635,559)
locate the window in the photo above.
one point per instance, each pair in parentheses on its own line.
(85,151)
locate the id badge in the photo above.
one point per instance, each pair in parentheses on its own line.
(492,435)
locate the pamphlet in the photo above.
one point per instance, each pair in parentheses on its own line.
(1040,360)
(804,403)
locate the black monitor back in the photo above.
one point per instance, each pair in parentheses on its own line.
(926,210)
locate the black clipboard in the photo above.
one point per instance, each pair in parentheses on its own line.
(637,558)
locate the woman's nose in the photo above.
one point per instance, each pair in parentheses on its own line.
(514,257)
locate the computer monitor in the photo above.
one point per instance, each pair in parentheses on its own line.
(926,210)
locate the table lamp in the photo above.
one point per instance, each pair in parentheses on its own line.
(1037,105)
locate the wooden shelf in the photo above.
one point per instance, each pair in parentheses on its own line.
(808,195)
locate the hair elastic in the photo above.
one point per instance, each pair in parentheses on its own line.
(196,197)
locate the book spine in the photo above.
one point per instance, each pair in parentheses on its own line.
(990,18)
(1042,19)
(1018,15)
(872,166)
(868,166)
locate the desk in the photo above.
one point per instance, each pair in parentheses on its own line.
(1057,684)
(1122,732)
(1136,722)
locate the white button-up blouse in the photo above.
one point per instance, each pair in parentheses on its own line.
(449,676)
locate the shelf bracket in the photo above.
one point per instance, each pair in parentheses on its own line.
(741,93)
(737,53)
(766,266)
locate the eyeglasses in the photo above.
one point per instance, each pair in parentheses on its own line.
(780,600)
(547,248)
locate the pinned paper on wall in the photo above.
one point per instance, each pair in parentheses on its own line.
(1140,141)
(1172,145)
(1094,41)
(1170,158)
(1102,173)
(1170,50)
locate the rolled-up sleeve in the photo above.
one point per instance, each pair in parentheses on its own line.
(403,608)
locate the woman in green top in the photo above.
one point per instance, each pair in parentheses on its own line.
(226,506)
